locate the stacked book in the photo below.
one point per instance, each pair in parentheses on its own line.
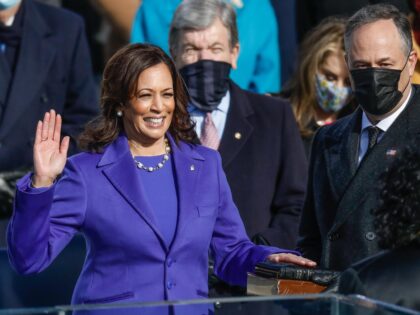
(271,279)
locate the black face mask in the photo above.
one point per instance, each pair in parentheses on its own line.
(207,82)
(376,89)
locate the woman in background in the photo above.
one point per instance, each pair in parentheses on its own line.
(319,90)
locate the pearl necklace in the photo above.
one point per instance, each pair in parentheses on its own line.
(141,166)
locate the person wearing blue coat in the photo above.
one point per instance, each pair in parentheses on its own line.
(259,59)
(149,201)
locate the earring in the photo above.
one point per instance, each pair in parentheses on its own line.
(119,113)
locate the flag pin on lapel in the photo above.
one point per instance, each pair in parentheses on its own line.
(391,152)
(192,168)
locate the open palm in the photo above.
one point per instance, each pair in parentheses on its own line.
(50,153)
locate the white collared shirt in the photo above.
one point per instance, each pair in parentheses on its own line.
(218,115)
(10,21)
(383,125)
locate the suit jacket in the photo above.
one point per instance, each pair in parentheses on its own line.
(390,276)
(336,228)
(53,71)
(265,165)
(127,258)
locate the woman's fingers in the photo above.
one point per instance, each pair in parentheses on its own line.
(45,124)
(49,128)
(64,146)
(57,128)
(292,259)
(38,132)
(51,125)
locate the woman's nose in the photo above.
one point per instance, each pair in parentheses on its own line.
(157,103)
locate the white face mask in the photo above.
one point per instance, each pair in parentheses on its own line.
(7,4)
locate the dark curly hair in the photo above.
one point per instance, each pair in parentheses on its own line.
(119,85)
(397,218)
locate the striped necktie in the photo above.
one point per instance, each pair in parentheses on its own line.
(209,136)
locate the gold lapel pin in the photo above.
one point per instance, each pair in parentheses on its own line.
(192,168)
(238,135)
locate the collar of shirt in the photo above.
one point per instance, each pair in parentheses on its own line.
(219,115)
(223,107)
(384,124)
(10,21)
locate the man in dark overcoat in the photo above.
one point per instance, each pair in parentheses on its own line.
(348,156)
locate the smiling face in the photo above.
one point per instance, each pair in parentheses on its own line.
(211,43)
(150,111)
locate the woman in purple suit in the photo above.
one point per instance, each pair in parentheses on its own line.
(149,201)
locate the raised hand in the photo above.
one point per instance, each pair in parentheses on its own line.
(50,153)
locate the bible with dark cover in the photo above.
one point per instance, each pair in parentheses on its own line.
(293,272)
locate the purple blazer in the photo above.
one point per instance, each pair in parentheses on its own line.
(127,259)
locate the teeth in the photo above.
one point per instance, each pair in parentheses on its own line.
(154,120)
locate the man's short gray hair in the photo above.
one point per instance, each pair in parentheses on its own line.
(197,15)
(376,12)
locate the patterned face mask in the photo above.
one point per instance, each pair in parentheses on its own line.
(329,96)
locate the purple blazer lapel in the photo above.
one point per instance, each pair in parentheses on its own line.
(119,168)
(187,169)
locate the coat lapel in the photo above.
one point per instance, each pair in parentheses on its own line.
(188,164)
(238,128)
(34,60)
(341,154)
(404,128)
(119,168)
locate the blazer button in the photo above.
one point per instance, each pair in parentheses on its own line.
(370,236)
(170,285)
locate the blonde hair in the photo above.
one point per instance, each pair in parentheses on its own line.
(326,38)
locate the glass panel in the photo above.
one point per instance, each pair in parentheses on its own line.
(280,305)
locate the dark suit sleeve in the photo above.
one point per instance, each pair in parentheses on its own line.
(81,95)
(291,185)
(310,242)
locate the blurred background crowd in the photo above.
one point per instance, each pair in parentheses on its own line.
(282,52)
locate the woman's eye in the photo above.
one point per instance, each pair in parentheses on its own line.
(168,95)
(144,96)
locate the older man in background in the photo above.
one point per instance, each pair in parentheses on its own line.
(256,135)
